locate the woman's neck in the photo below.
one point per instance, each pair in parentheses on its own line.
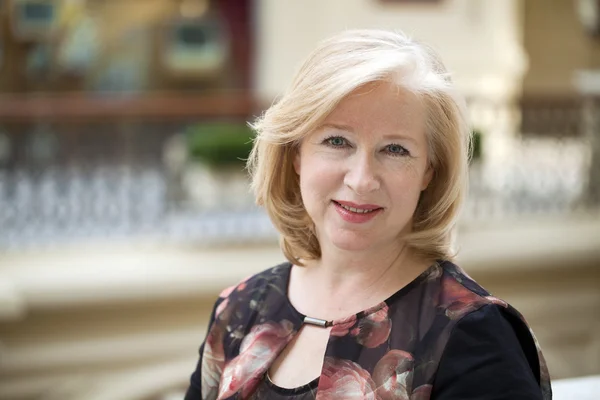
(341,283)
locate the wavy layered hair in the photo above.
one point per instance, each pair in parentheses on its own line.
(337,67)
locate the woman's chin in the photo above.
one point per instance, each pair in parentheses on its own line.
(351,241)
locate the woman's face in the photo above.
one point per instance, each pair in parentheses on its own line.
(362,171)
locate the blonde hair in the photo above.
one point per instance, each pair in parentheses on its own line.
(337,67)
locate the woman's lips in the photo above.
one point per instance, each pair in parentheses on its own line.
(356,217)
(358,206)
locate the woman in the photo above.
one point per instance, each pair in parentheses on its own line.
(362,167)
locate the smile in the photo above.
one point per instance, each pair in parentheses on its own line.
(355,213)
(357,210)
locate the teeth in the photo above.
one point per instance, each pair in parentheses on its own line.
(356,210)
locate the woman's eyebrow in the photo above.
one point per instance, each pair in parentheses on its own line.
(348,128)
(398,136)
(340,127)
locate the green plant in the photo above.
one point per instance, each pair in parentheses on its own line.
(476,145)
(219,144)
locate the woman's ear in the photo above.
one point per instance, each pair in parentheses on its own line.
(427,177)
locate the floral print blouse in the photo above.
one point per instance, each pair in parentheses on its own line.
(440,337)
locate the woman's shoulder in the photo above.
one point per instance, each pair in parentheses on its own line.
(491,350)
(273,278)
(477,319)
(460,294)
(258,298)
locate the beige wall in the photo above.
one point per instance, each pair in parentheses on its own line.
(480,40)
(556,45)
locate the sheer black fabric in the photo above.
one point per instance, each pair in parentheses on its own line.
(440,337)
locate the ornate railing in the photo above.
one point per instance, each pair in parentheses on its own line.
(76,169)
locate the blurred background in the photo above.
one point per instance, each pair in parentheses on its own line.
(124,208)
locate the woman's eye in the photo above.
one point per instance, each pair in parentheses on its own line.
(336,141)
(397,150)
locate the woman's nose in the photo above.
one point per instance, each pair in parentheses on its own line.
(361,175)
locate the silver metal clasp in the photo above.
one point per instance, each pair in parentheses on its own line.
(316,321)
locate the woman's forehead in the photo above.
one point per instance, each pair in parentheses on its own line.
(383,107)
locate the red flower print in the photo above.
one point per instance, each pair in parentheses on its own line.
(423,392)
(393,375)
(227,291)
(374,329)
(457,299)
(257,351)
(342,327)
(344,379)
(240,286)
(497,301)
(221,307)
(459,310)
(213,360)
